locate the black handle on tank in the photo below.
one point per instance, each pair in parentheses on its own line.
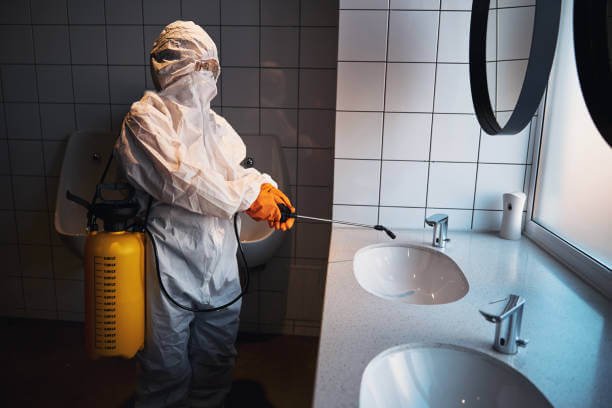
(114,187)
(114,213)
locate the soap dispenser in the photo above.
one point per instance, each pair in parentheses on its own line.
(513,215)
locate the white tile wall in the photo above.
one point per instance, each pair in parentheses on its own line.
(10,255)
(513,43)
(455,138)
(515,3)
(363,35)
(454,36)
(510,76)
(394,217)
(364,4)
(39,294)
(356,182)
(409,194)
(354,213)
(495,180)
(11,296)
(415,4)
(368,95)
(434,158)
(458,4)
(309,243)
(451,185)
(492,36)
(404,28)
(453,93)
(306,278)
(505,149)
(460,220)
(487,220)
(358,135)
(70,295)
(406,136)
(409,87)
(36,261)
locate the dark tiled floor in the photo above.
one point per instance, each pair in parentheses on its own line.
(44,365)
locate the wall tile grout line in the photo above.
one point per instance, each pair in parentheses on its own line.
(429,62)
(433,9)
(74,104)
(527,157)
(157,25)
(384,101)
(259,127)
(481,131)
(476,179)
(417,207)
(433,161)
(44,168)
(12,184)
(298,130)
(108,75)
(433,110)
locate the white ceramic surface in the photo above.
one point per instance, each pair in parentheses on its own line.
(440,375)
(81,172)
(408,273)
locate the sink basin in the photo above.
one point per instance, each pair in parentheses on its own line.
(408,273)
(441,375)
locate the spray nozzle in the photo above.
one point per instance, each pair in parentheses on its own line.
(387,231)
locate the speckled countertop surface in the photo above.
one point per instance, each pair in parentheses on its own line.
(567,323)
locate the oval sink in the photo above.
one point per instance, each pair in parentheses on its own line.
(409,273)
(442,375)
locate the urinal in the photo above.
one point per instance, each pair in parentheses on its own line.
(259,241)
(84,161)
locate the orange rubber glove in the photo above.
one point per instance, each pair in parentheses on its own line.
(281,198)
(265,206)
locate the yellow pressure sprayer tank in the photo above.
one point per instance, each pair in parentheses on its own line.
(114,266)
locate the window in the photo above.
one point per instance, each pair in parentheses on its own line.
(571,211)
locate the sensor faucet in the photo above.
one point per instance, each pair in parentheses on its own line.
(439,222)
(507,314)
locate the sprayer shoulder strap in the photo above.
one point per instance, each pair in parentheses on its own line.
(148,211)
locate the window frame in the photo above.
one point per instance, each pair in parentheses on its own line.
(588,268)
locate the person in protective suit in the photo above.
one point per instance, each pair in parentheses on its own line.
(174,148)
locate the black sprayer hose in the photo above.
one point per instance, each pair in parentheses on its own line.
(211,309)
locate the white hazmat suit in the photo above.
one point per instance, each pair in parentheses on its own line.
(176,149)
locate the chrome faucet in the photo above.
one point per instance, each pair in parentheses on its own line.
(507,314)
(439,222)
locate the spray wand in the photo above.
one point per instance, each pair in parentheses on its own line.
(286,213)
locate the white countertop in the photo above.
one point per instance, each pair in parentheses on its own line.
(567,323)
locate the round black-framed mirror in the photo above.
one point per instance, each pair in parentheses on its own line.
(594,61)
(543,44)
